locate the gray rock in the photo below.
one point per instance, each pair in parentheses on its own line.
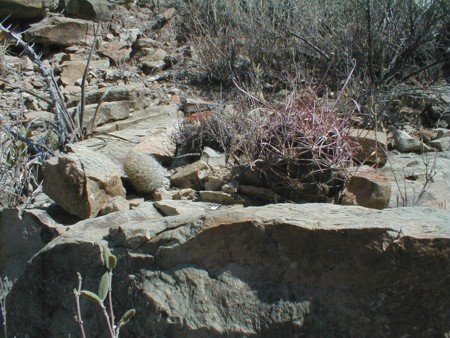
(136,133)
(213,158)
(83,182)
(368,189)
(275,271)
(406,143)
(22,234)
(88,9)
(224,198)
(53,31)
(441,144)
(25,9)
(191,176)
(410,179)
(184,207)
(372,146)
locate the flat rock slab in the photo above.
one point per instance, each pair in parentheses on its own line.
(409,174)
(281,270)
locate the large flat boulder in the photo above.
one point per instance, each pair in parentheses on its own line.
(276,271)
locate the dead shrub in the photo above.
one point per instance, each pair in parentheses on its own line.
(218,130)
(391,41)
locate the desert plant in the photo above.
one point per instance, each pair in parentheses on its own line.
(391,41)
(104,292)
(144,172)
(302,148)
(216,129)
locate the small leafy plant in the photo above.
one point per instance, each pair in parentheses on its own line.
(103,294)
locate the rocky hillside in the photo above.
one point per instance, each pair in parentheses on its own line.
(244,209)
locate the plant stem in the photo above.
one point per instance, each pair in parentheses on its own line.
(79,320)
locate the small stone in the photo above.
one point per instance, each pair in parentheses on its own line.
(184,194)
(213,158)
(406,143)
(191,176)
(161,194)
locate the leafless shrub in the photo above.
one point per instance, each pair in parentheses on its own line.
(391,41)
(218,130)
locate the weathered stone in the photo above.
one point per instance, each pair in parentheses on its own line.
(117,51)
(426,135)
(161,194)
(184,207)
(372,146)
(213,158)
(83,182)
(223,198)
(248,272)
(442,132)
(22,234)
(194,105)
(72,71)
(440,144)
(53,31)
(407,143)
(88,9)
(184,194)
(133,92)
(231,187)
(26,9)
(263,194)
(368,189)
(160,145)
(421,191)
(190,176)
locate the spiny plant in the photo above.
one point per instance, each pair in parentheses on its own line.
(302,148)
(103,294)
(21,152)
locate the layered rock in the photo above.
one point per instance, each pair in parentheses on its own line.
(84,183)
(280,270)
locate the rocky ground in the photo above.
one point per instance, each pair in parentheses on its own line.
(205,251)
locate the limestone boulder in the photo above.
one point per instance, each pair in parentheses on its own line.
(25,9)
(372,146)
(53,31)
(274,271)
(368,189)
(84,183)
